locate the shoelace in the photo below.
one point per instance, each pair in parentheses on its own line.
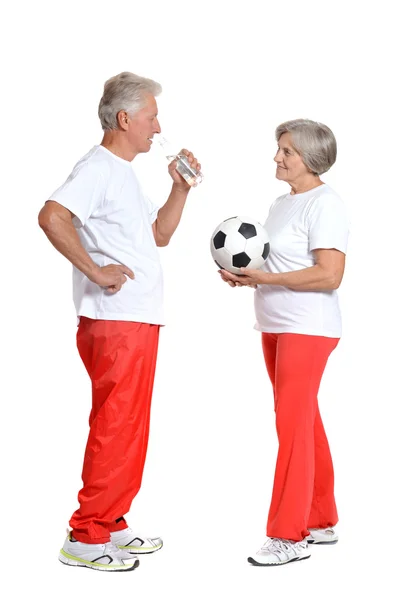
(277,545)
(110,547)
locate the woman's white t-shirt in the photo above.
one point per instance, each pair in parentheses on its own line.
(297,225)
(114,223)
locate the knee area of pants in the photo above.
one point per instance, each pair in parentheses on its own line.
(290,424)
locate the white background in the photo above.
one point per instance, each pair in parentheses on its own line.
(231,72)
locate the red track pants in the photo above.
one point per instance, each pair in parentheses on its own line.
(120,358)
(303,491)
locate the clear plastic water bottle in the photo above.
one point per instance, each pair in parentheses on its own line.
(183,167)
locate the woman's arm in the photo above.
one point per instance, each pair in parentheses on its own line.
(325,275)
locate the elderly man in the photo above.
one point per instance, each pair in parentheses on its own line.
(101,221)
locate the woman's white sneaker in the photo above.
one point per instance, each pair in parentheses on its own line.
(132,542)
(322,536)
(101,557)
(278,551)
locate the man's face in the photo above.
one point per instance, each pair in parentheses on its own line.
(143,125)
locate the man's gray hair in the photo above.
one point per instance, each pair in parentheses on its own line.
(127,92)
(314,141)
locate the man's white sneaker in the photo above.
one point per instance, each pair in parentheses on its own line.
(131,542)
(102,557)
(322,536)
(277,551)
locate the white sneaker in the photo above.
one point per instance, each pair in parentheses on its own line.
(102,557)
(278,551)
(131,542)
(322,536)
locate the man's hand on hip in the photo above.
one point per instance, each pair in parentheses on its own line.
(112,277)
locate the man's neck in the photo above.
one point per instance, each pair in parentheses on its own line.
(117,144)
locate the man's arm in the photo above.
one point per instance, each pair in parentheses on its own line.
(170,214)
(56,222)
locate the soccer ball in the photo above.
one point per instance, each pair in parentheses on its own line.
(239,242)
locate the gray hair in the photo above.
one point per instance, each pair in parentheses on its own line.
(314,141)
(127,92)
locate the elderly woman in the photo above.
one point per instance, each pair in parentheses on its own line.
(297,311)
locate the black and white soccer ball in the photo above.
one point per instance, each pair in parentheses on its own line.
(240,242)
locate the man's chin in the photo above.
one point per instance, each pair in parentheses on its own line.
(144,149)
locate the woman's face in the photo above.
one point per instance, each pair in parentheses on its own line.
(290,166)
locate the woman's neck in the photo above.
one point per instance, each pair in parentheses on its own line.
(305,185)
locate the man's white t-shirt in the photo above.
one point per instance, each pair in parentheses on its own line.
(114,220)
(298,224)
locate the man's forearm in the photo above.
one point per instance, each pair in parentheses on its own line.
(169,215)
(311,279)
(62,234)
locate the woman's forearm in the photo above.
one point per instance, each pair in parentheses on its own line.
(311,279)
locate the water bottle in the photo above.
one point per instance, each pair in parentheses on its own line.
(183,167)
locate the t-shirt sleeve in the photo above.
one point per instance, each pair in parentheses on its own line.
(83,192)
(328,224)
(152,209)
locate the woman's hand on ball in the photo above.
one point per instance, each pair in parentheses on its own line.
(253,277)
(231,283)
(235,280)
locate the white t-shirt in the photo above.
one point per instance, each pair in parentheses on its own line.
(298,224)
(114,223)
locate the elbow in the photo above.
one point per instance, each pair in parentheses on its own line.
(334,282)
(45,219)
(49,217)
(162,242)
